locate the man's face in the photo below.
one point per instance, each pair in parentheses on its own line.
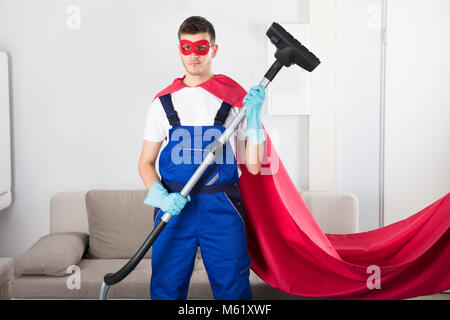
(197,64)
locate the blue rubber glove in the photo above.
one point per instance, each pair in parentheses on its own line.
(254,101)
(159,197)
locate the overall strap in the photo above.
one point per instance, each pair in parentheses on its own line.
(171,113)
(219,120)
(222,114)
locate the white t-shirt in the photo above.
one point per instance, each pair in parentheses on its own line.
(195,107)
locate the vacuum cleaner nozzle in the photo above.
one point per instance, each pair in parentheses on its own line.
(289,51)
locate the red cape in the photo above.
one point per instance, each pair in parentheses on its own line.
(290,252)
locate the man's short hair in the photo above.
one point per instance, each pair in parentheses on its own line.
(197,24)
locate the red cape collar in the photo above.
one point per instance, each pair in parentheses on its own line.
(220,85)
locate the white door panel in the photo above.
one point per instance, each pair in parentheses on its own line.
(417,109)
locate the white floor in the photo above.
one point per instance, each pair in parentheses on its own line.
(437,296)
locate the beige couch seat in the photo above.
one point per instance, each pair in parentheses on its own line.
(116,222)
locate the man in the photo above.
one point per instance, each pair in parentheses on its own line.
(187,117)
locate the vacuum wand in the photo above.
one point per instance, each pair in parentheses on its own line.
(289,51)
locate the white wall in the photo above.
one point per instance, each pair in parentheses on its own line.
(358,76)
(79,97)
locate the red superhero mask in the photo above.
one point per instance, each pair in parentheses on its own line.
(200,47)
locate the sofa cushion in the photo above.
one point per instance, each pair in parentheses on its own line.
(119,222)
(86,284)
(52,254)
(92,271)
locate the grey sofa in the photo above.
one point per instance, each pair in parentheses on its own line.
(96,232)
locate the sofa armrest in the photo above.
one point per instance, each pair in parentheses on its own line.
(335,212)
(52,254)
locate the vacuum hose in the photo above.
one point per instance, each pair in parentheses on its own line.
(113,278)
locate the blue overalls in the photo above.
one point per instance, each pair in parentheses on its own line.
(213,219)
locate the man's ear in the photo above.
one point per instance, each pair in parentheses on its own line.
(215,48)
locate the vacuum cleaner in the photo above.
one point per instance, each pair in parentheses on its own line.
(289,51)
